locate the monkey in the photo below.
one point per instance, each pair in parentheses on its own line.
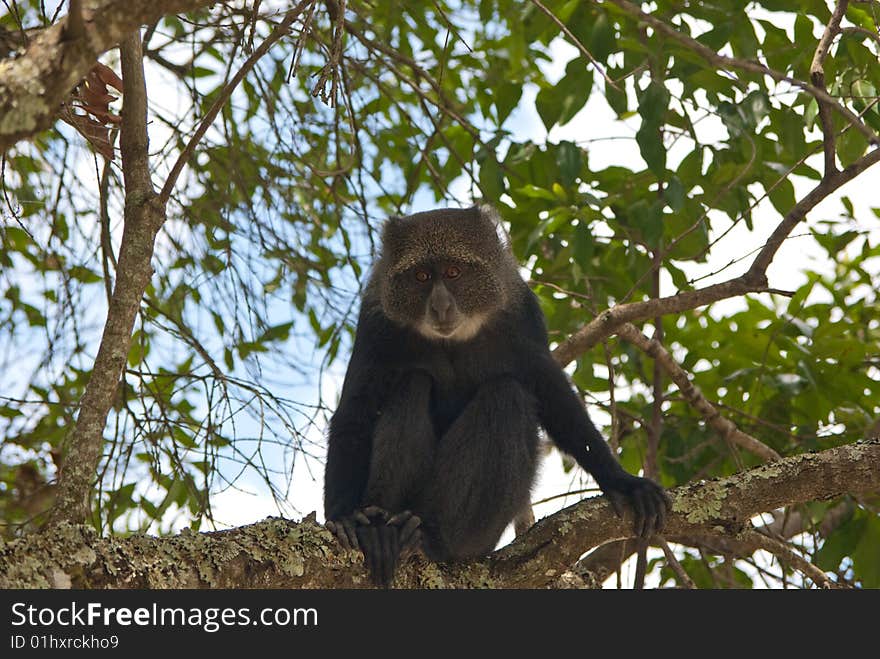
(433,445)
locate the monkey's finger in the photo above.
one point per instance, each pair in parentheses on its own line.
(399,518)
(351,533)
(412,524)
(662,512)
(361,518)
(395,553)
(385,557)
(413,544)
(616,502)
(372,512)
(387,537)
(338,533)
(369,538)
(651,512)
(639,510)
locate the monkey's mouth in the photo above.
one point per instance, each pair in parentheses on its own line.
(445,329)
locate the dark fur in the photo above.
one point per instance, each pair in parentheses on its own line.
(449,429)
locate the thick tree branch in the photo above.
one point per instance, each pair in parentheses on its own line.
(283,554)
(724,504)
(143,218)
(34,85)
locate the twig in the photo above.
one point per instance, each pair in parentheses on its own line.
(725,427)
(817,75)
(683,577)
(725,62)
(785,552)
(223,97)
(576,43)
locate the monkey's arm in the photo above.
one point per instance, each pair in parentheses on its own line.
(564,417)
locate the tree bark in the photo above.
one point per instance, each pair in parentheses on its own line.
(279,553)
(35,84)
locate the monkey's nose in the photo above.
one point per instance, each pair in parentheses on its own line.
(440,304)
(440,308)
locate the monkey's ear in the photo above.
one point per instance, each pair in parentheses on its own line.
(391,229)
(491,216)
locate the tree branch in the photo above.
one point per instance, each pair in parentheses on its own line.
(607,322)
(34,85)
(725,427)
(143,218)
(817,76)
(824,188)
(279,31)
(752,281)
(697,509)
(725,62)
(282,554)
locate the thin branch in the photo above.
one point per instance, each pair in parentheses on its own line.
(862,31)
(784,552)
(143,218)
(825,187)
(276,34)
(725,62)
(607,322)
(683,576)
(576,43)
(817,75)
(692,394)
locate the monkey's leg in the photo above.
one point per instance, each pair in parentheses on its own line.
(403,451)
(483,472)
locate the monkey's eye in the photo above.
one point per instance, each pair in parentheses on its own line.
(452,272)
(422,275)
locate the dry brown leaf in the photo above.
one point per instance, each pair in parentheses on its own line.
(88,109)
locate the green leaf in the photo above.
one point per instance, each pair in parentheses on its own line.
(651,147)
(602,39)
(866,556)
(674,193)
(653,103)
(851,146)
(534,192)
(568,157)
(83,274)
(558,104)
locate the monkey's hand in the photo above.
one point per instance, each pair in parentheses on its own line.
(382,538)
(648,501)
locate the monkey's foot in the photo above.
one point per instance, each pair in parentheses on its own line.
(410,535)
(383,538)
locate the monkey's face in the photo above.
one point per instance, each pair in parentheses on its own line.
(444,299)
